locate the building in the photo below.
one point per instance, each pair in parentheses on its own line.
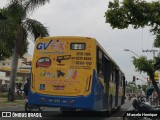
(23,70)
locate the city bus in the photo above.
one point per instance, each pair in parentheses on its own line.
(75,73)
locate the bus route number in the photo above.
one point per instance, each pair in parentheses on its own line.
(56,101)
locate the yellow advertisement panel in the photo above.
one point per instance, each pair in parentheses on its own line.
(63,66)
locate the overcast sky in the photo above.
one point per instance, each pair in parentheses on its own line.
(86,18)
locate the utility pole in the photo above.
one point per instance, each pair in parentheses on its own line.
(154,51)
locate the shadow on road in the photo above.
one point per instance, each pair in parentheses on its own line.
(77,115)
(81,114)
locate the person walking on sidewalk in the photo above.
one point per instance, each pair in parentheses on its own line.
(26,87)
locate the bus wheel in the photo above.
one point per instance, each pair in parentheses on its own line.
(27,107)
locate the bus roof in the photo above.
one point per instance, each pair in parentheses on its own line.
(81,37)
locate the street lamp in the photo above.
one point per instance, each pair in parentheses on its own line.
(136,55)
(142,80)
(131,51)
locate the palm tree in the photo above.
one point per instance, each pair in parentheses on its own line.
(19,27)
(5,37)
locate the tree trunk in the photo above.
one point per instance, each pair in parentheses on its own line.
(151,73)
(16,53)
(13,73)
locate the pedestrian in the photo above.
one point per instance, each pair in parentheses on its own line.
(129,96)
(155,96)
(26,87)
(147,98)
(15,89)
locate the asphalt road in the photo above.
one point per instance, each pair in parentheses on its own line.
(55,114)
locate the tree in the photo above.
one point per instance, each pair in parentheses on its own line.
(144,87)
(139,87)
(5,38)
(138,13)
(132,87)
(15,21)
(143,65)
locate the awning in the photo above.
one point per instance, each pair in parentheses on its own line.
(149,90)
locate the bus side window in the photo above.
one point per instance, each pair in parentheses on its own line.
(110,71)
(113,75)
(120,80)
(106,67)
(113,72)
(99,63)
(110,77)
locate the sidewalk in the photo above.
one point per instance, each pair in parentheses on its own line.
(5,103)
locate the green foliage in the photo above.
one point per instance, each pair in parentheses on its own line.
(157,63)
(139,86)
(157,41)
(142,64)
(35,28)
(116,15)
(7,35)
(15,12)
(13,19)
(30,5)
(5,53)
(137,13)
(132,87)
(144,87)
(15,26)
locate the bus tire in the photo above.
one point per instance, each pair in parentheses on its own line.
(27,107)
